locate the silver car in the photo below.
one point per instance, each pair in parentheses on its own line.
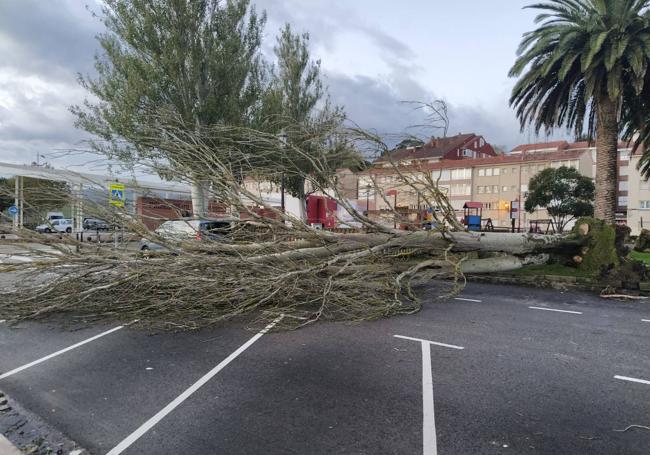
(190,229)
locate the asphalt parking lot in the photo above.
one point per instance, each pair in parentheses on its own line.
(500,370)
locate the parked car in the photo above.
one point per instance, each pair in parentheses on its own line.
(57,225)
(95,224)
(190,229)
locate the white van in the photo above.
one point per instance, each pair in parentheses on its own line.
(56,225)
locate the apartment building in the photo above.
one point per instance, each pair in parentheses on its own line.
(495,181)
(498,182)
(638,195)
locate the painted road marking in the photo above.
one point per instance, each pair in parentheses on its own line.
(642,320)
(625,378)
(2,320)
(63,351)
(429,438)
(468,300)
(149,424)
(444,345)
(7,448)
(552,309)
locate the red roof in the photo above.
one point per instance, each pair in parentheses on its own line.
(435,148)
(473,205)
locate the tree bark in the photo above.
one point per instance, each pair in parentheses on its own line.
(606,159)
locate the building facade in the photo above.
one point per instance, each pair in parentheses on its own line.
(498,180)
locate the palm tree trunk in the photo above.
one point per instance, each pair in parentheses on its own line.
(606,158)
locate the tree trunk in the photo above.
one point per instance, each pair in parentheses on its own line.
(606,158)
(199,200)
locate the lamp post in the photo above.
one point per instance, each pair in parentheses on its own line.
(283,145)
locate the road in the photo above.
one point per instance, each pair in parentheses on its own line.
(498,372)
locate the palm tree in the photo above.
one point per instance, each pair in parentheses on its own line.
(575,68)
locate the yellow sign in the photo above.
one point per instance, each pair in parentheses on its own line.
(116,194)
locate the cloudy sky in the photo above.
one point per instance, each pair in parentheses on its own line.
(375,54)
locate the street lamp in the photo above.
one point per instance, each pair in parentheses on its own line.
(282,136)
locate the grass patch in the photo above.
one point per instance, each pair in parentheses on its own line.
(552,269)
(643,257)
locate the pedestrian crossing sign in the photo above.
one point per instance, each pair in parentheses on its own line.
(116,194)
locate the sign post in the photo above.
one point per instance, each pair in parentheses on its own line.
(514,213)
(116,199)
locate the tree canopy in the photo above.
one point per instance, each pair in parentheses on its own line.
(198,60)
(563,192)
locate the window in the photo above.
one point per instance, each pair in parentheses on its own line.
(461,174)
(497,171)
(622,186)
(645,205)
(504,188)
(524,188)
(513,188)
(457,189)
(488,189)
(622,201)
(623,155)
(481,172)
(623,171)
(488,172)
(514,170)
(480,189)
(495,189)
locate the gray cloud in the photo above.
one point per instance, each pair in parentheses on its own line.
(44,45)
(52,38)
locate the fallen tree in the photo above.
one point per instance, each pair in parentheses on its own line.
(271,263)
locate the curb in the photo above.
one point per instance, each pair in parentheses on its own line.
(7,448)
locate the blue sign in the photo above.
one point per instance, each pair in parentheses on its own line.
(13,210)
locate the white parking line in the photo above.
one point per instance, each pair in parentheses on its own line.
(149,424)
(62,351)
(642,320)
(626,378)
(429,438)
(467,300)
(444,345)
(552,309)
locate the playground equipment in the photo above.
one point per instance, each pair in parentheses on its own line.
(473,213)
